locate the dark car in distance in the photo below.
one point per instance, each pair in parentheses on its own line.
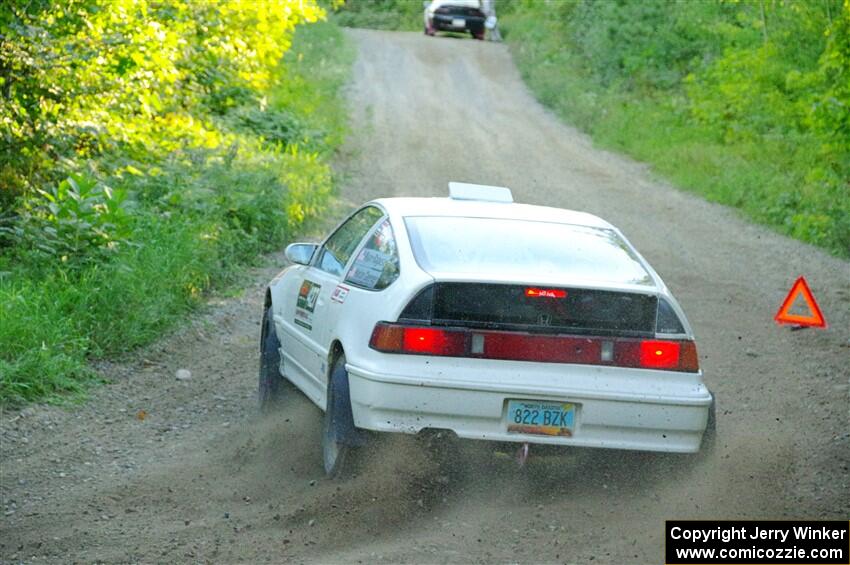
(455,15)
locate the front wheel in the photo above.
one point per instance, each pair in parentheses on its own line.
(270,387)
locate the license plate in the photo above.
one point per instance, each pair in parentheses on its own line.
(458,22)
(541,417)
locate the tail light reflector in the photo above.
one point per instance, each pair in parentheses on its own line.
(388,338)
(673,355)
(688,358)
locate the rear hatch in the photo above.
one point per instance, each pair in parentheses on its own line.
(471,8)
(508,250)
(608,310)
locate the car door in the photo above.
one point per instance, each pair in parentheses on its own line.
(314,286)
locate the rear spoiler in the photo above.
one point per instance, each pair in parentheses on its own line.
(485,193)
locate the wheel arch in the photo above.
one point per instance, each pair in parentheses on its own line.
(335,351)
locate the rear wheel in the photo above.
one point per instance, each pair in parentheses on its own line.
(270,389)
(339,436)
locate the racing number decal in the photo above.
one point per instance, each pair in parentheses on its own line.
(339,293)
(306,304)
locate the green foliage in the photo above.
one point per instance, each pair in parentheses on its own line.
(78,219)
(830,113)
(651,43)
(314,73)
(747,103)
(85,76)
(381,14)
(277,127)
(172,203)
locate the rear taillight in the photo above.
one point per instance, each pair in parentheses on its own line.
(672,355)
(434,341)
(659,354)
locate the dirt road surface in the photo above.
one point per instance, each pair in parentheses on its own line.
(156,469)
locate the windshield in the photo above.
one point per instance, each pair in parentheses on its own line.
(524,249)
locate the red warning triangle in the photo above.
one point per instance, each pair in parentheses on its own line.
(814,318)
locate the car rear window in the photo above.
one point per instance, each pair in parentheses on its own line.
(511,307)
(524,249)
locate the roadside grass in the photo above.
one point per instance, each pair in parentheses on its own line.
(199,217)
(393,15)
(316,68)
(765,178)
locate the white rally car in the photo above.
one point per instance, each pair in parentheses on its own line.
(489,319)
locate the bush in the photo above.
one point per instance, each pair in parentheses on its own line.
(99,262)
(85,76)
(80,219)
(746,103)
(381,14)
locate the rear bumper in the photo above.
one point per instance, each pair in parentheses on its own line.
(605,418)
(444,22)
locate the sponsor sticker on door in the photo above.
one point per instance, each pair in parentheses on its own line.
(308,294)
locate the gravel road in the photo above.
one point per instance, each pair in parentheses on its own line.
(158,469)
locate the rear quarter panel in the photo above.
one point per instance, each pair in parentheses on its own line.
(352,321)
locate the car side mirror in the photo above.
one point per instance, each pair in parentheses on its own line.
(300,253)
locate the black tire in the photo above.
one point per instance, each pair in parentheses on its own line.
(270,389)
(338,430)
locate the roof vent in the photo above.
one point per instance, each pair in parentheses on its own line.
(464,191)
